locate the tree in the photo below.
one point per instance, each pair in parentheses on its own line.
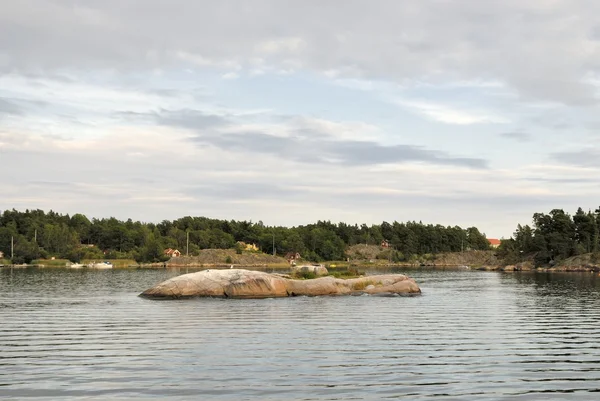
(585,230)
(81,225)
(477,240)
(25,251)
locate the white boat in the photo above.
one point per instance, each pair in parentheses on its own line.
(100,265)
(76,266)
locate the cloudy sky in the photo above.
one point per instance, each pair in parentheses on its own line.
(453,112)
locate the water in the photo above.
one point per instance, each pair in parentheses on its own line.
(470,336)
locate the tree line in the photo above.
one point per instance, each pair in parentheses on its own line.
(554,237)
(38,234)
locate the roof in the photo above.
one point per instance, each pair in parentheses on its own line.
(494,241)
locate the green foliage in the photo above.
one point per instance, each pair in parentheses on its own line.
(18,260)
(386,254)
(25,251)
(414,259)
(351,272)
(398,256)
(78,237)
(305,275)
(555,236)
(228,259)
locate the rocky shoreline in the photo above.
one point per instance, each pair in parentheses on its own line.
(529,268)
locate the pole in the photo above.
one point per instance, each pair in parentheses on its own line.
(12,248)
(273,244)
(35,236)
(187,245)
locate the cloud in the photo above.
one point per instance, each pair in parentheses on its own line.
(286,182)
(155,109)
(517,136)
(305,140)
(562,181)
(588,157)
(230,75)
(543,52)
(451,115)
(281,45)
(8,107)
(191,119)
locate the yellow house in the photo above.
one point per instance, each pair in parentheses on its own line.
(248,247)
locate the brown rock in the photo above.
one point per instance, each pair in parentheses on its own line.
(240,283)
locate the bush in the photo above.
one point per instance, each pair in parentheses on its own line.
(238,249)
(305,275)
(352,272)
(384,254)
(398,257)
(228,259)
(312,257)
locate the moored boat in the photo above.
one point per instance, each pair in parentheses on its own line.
(101,265)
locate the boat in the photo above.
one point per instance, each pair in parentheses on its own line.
(100,265)
(75,266)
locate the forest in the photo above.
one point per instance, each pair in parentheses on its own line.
(554,237)
(35,234)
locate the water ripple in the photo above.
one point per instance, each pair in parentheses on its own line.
(471,336)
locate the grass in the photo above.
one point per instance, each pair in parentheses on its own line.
(305,275)
(337,265)
(4,261)
(361,285)
(350,272)
(51,262)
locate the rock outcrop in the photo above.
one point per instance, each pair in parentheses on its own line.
(316,270)
(240,283)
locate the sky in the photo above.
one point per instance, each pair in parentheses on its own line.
(466,112)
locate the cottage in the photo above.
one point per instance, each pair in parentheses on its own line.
(174,253)
(1,254)
(292,257)
(385,244)
(494,243)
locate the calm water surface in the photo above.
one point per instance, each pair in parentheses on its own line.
(470,336)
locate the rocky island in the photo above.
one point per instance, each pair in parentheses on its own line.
(241,283)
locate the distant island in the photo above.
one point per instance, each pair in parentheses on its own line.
(555,240)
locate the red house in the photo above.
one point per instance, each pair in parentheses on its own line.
(494,243)
(174,253)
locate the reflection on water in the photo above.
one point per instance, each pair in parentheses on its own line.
(471,336)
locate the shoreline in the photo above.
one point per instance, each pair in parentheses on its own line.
(330,266)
